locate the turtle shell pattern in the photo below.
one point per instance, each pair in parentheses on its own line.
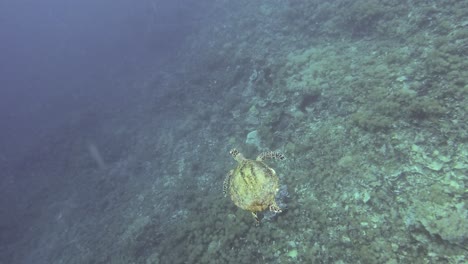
(253,185)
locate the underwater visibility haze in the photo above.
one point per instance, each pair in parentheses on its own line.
(217,131)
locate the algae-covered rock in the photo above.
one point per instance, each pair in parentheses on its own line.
(293,254)
(435,213)
(450,224)
(253,139)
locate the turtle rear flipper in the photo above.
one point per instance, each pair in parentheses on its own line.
(270,155)
(257,220)
(275,208)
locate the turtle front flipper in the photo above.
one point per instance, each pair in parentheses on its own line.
(270,155)
(226,183)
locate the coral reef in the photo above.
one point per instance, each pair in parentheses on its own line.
(368,100)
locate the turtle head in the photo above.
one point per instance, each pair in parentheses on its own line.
(236,155)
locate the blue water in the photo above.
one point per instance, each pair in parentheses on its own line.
(117,119)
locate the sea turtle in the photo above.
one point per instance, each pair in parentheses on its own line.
(253,185)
